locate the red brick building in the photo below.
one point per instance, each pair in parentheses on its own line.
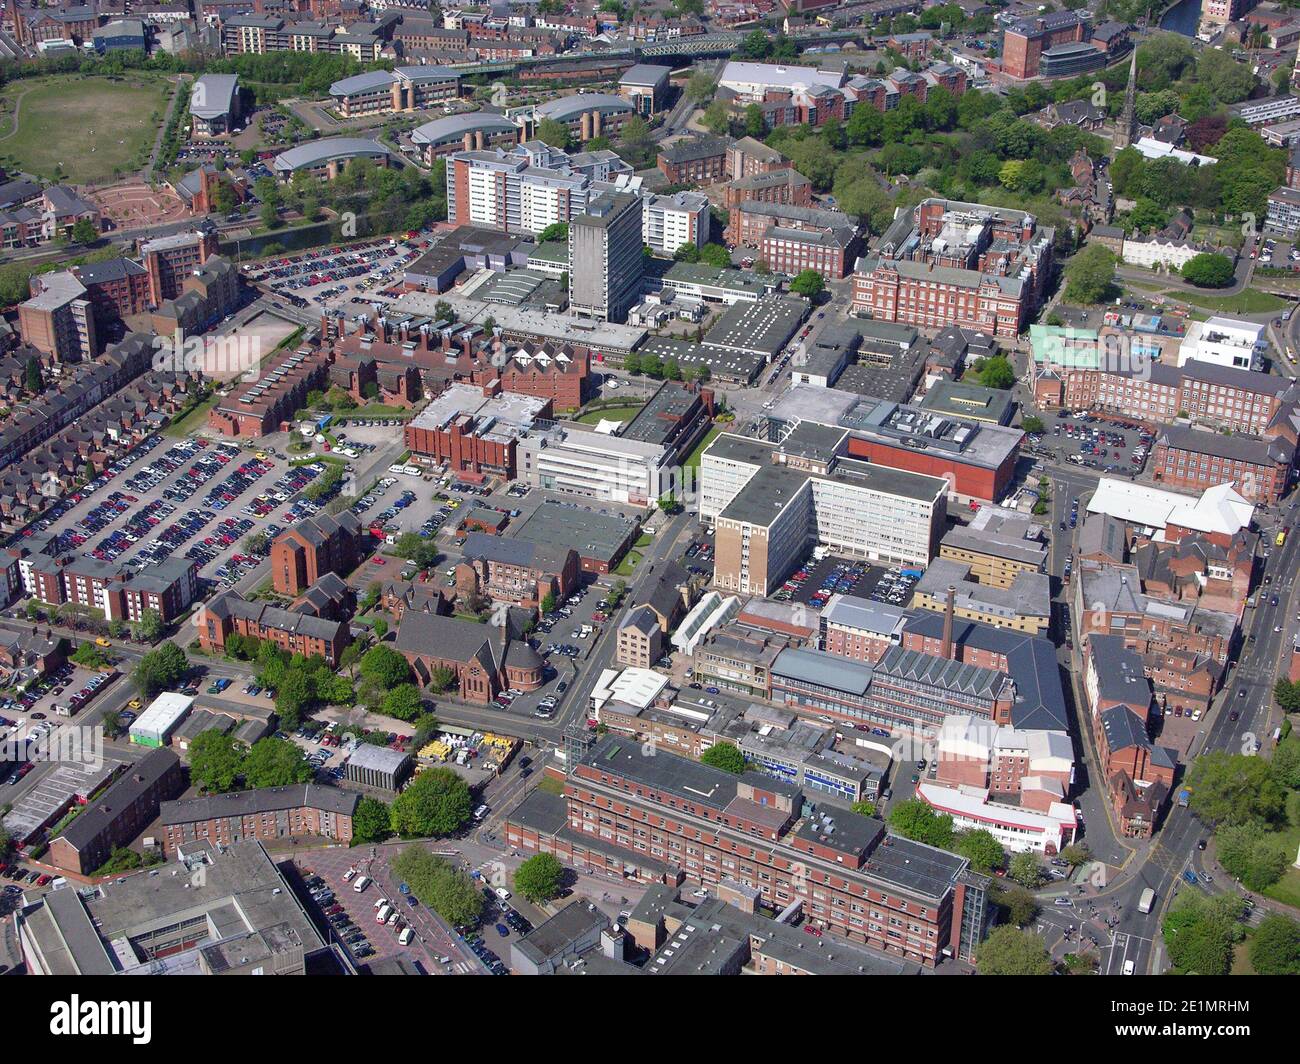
(268,814)
(313,547)
(697,161)
(1186,458)
(653,816)
(483,660)
(294,631)
(1024,41)
(118,814)
(474,429)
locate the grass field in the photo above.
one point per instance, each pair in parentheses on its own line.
(610,413)
(90,126)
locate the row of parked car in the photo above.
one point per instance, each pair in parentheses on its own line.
(164,465)
(244,477)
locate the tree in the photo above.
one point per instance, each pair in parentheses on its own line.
(1275,946)
(84,231)
(915,820)
(1251,853)
(538,878)
(724,756)
(1010,951)
(554,133)
(439,884)
(89,656)
(275,762)
(548,603)
(160,669)
(755,124)
(372,821)
(1076,854)
(1090,275)
(634,131)
(1199,932)
(33,381)
(1286,694)
(808,283)
(437,802)
(997,372)
(1233,789)
(1020,904)
(717,117)
(269,215)
(1026,869)
(1032,423)
(983,851)
(556,231)
(216,761)
(863,807)
(403,702)
(700,87)
(442,678)
(1208,270)
(384,667)
(150,626)
(715,255)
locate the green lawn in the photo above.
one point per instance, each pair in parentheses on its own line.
(629,563)
(195,419)
(91,126)
(693,459)
(610,413)
(1248,301)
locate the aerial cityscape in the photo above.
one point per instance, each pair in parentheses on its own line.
(628,487)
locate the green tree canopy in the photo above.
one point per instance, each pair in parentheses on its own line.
(1233,789)
(216,761)
(1010,951)
(372,822)
(275,762)
(440,885)
(983,851)
(915,820)
(1275,946)
(160,669)
(1089,276)
(437,802)
(724,756)
(538,878)
(1208,270)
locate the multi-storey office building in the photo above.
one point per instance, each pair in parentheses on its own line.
(768,510)
(669,222)
(605,258)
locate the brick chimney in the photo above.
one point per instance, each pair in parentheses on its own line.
(946,649)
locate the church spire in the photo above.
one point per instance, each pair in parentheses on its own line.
(1126,126)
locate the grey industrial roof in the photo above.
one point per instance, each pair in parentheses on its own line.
(213,95)
(454,127)
(1120,674)
(823,669)
(554,937)
(568,107)
(317,152)
(645,75)
(380,758)
(591,533)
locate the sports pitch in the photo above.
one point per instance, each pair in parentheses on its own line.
(90,125)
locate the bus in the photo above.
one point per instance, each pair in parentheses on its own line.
(1147,900)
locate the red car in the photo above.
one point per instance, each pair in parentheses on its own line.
(810,930)
(42,880)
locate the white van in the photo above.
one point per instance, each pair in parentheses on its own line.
(361,884)
(481,812)
(502,893)
(404,939)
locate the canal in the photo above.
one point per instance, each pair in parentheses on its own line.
(1184,17)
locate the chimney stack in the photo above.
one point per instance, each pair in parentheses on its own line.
(946,650)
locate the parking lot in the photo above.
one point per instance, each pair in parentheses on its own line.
(351,915)
(1095,441)
(337,276)
(193,498)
